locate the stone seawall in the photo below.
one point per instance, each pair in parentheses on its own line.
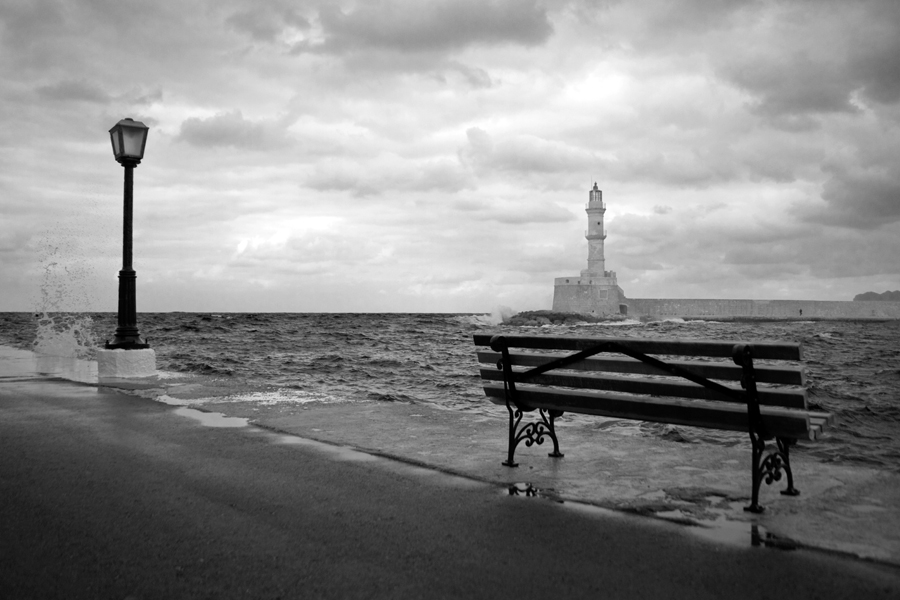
(759,309)
(598,296)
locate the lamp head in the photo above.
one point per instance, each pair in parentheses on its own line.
(128,140)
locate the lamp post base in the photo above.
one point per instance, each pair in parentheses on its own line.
(121,342)
(126,364)
(127,335)
(127,338)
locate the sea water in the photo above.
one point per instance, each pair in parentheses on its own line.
(853,367)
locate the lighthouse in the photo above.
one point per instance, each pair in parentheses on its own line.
(595,234)
(595,291)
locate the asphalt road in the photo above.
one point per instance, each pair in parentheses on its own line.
(104,495)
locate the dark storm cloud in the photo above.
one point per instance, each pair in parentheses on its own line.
(860,199)
(875,63)
(796,85)
(232,129)
(824,60)
(407,26)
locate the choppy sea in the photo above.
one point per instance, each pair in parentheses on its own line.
(853,368)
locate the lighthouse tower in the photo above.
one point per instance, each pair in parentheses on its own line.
(595,235)
(595,292)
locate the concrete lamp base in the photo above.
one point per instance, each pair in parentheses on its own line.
(126,363)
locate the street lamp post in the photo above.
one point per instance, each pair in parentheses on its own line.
(128,140)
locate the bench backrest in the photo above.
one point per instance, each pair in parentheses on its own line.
(780,379)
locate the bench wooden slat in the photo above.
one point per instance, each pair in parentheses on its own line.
(761,350)
(784,375)
(695,413)
(788,398)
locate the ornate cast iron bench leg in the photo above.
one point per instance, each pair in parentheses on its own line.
(532,433)
(769,469)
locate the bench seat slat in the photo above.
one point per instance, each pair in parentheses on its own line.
(784,375)
(695,413)
(761,350)
(788,398)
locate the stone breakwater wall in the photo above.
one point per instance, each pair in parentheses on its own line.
(587,296)
(759,309)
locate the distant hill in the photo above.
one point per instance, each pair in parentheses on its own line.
(885,297)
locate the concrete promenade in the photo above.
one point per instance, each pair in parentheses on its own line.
(107,495)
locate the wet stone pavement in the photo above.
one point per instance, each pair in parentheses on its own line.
(846,509)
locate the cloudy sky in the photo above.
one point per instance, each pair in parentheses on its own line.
(410,155)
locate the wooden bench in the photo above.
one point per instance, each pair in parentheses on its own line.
(554,374)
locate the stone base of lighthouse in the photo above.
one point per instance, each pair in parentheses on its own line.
(589,295)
